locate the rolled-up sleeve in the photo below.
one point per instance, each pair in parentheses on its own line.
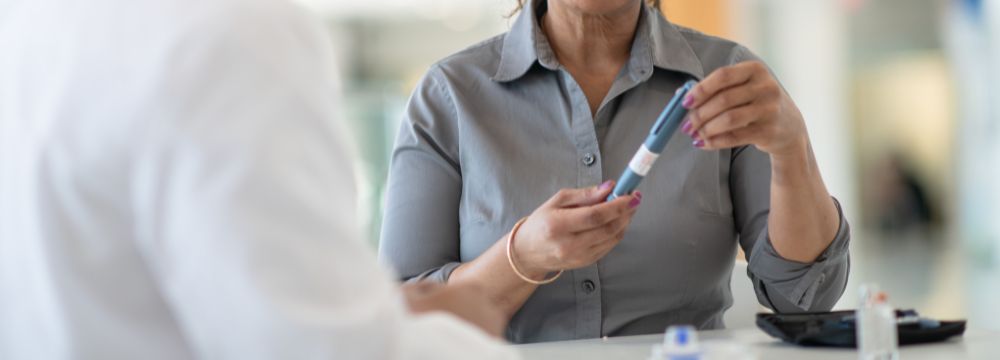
(782,285)
(420,236)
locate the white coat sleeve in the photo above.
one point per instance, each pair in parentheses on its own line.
(244,201)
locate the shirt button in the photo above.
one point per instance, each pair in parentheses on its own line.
(588,286)
(589,159)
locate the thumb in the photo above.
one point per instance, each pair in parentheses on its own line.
(584,196)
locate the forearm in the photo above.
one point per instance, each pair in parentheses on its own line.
(492,272)
(440,336)
(803,219)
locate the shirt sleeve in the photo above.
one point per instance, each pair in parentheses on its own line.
(244,203)
(782,285)
(424,187)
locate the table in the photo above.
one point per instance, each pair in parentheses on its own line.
(974,344)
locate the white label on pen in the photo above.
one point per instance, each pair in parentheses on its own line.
(642,161)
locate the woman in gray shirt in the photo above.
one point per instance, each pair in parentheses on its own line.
(520,129)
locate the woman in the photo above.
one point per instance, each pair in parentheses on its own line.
(562,101)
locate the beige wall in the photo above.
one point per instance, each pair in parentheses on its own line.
(708,16)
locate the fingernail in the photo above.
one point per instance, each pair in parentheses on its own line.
(605,185)
(686,128)
(638,194)
(688,101)
(635,202)
(698,143)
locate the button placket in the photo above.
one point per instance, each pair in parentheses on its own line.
(587,284)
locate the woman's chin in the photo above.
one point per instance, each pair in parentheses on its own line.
(600,7)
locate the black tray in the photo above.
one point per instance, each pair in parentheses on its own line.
(837,329)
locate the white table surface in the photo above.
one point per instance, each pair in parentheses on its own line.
(974,344)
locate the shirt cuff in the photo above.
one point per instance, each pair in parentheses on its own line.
(798,282)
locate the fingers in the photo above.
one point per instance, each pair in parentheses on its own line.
(590,217)
(604,239)
(572,231)
(733,106)
(729,120)
(717,105)
(719,80)
(609,234)
(587,247)
(607,231)
(739,137)
(599,250)
(582,197)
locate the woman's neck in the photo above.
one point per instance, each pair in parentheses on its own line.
(591,41)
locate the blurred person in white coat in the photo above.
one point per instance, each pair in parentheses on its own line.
(172,186)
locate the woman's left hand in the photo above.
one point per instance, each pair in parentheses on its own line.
(743,104)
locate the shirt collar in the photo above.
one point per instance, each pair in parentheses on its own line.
(657,43)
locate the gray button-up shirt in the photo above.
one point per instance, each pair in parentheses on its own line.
(493,131)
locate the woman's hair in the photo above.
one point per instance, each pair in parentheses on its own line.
(520,5)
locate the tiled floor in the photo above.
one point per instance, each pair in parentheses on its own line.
(940,276)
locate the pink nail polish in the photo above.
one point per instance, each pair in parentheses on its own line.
(634,203)
(686,128)
(688,101)
(699,143)
(638,194)
(605,185)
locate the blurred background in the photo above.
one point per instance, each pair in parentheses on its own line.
(902,100)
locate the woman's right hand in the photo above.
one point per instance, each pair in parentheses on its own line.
(573,229)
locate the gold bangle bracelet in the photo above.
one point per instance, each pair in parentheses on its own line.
(510,257)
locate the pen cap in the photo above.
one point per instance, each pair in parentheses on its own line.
(681,342)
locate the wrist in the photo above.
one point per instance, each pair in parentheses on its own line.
(794,165)
(525,261)
(796,151)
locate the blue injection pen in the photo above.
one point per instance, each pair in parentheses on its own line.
(665,126)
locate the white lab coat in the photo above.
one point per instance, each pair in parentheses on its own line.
(171,187)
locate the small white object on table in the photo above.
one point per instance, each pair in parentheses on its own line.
(974,344)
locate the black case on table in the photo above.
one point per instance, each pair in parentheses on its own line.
(837,328)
